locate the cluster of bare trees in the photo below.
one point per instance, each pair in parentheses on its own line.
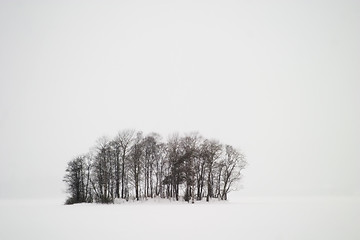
(134,166)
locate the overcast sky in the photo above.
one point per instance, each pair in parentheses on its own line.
(279,80)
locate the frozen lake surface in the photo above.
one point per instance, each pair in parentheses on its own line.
(240,218)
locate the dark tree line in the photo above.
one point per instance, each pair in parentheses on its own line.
(134,166)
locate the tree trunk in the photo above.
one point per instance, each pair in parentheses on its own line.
(117,177)
(123,175)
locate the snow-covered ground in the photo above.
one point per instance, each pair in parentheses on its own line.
(240,218)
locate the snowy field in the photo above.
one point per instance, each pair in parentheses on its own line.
(240,218)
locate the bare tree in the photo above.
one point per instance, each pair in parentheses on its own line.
(116,151)
(135,162)
(77,178)
(175,176)
(211,151)
(125,139)
(190,157)
(103,176)
(151,158)
(232,164)
(159,168)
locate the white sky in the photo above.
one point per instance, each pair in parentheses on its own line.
(280,80)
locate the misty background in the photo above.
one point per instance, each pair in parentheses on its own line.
(279,80)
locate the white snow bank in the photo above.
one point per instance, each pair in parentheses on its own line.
(240,218)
